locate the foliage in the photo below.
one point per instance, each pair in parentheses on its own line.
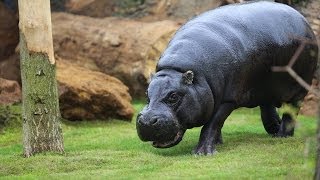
(300,2)
(129,7)
(57,5)
(9,115)
(129,3)
(111,149)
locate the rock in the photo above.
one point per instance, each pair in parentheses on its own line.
(125,49)
(10,92)
(9,32)
(184,8)
(93,8)
(85,94)
(10,68)
(149,10)
(98,8)
(316,21)
(310,103)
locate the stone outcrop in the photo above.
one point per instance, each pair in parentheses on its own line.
(10,68)
(86,94)
(10,92)
(125,49)
(310,103)
(311,10)
(145,9)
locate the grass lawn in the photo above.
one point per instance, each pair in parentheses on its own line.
(112,149)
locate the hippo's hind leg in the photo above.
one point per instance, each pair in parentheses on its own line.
(272,123)
(270,119)
(286,126)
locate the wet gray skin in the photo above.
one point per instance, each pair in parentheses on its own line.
(169,95)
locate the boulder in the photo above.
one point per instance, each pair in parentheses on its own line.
(310,104)
(146,9)
(93,8)
(10,92)
(125,49)
(9,32)
(86,94)
(181,8)
(10,68)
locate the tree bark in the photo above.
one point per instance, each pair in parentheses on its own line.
(40,107)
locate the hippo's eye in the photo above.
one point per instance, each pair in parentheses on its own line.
(173,98)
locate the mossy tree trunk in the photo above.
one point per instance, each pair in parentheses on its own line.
(40,106)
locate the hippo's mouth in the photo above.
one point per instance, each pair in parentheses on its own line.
(171,143)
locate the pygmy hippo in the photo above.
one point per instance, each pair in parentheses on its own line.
(222,60)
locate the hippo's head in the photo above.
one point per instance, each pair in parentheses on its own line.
(173,106)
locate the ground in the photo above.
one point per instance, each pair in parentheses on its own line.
(96,149)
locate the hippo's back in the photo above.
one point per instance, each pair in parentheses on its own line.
(235,47)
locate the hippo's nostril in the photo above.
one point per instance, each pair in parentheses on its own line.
(154,120)
(139,119)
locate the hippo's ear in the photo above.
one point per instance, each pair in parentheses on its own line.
(187,77)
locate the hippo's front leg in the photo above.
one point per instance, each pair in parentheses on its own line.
(211,130)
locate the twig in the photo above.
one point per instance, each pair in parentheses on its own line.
(291,72)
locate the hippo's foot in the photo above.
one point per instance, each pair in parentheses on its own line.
(211,132)
(286,127)
(218,138)
(205,148)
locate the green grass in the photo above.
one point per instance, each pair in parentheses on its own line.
(111,149)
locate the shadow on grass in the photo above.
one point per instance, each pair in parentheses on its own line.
(94,123)
(232,140)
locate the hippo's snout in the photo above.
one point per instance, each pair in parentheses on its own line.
(159,129)
(155,127)
(153,121)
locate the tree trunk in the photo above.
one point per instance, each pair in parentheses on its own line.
(40,107)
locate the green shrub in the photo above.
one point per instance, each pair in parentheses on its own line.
(10,116)
(128,7)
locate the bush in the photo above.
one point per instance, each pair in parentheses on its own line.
(9,115)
